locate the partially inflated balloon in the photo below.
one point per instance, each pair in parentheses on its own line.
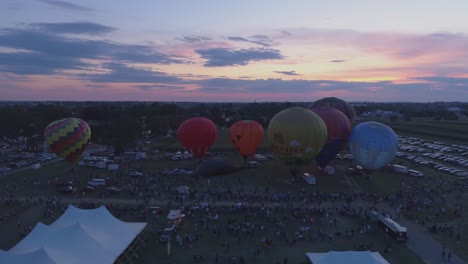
(68,138)
(338,130)
(197,135)
(246,136)
(373,145)
(338,125)
(338,104)
(296,135)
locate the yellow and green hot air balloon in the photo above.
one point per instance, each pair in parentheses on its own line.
(296,135)
(68,138)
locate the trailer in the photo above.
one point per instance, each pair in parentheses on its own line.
(393,229)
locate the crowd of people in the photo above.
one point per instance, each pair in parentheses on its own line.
(235,210)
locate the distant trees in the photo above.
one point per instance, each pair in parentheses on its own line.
(121,123)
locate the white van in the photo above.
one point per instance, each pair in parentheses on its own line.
(97,182)
(415,173)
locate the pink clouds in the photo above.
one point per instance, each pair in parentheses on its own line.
(437,54)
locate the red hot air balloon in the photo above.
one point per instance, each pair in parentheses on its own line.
(197,135)
(246,136)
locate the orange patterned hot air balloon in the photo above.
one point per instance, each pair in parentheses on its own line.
(246,136)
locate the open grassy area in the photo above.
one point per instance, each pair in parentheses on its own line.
(211,244)
(271,177)
(270,174)
(452,131)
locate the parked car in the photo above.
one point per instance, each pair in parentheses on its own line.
(113,190)
(97,182)
(415,173)
(87,189)
(64,189)
(135,174)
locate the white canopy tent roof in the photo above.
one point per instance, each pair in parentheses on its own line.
(348,257)
(78,236)
(102,226)
(37,256)
(69,244)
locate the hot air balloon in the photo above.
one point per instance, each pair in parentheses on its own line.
(373,145)
(338,130)
(197,135)
(338,104)
(296,135)
(68,138)
(246,136)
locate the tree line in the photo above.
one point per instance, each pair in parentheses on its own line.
(122,124)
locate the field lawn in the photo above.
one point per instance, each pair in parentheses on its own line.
(270,177)
(211,244)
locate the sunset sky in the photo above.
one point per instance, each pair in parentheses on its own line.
(219,51)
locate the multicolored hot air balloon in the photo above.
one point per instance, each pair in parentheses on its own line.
(197,135)
(338,130)
(68,138)
(373,145)
(338,104)
(246,136)
(296,135)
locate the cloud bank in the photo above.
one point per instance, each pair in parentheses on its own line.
(68,6)
(219,57)
(73,28)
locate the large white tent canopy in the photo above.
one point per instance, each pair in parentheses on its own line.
(37,256)
(102,226)
(348,257)
(78,236)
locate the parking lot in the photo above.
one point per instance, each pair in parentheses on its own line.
(440,156)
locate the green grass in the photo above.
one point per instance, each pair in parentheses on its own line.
(453,131)
(271,176)
(210,244)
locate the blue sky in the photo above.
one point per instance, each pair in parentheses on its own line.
(233,50)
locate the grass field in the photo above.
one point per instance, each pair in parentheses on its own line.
(271,176)
(443,130)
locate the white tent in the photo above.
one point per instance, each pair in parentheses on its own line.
(107,230)
(69,244)
(37,256)
(309,179)
(174,214)
(348,257)
(78,236)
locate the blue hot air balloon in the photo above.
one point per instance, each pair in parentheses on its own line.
(373,145)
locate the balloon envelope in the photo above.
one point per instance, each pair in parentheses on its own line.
(246,136)
(197,135)
(338,125)
(373,145)
(296,135)
(68,138)
(338,104)
(338,130)
(328,152)
(215,166)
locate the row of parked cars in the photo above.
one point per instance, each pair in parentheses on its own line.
(25,159)
(94,184)
(412,144)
